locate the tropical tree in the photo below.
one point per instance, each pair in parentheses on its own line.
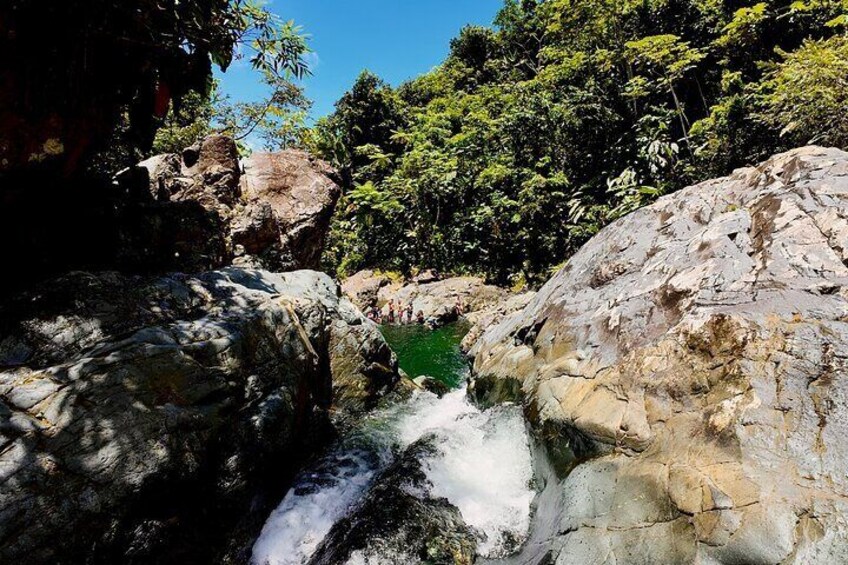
(567,114)
(806,95)
(75,71)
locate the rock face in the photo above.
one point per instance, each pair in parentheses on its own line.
(697,350)
(141,418)
(482,320)
(274,215)
(363,287)
(302,195)
(435,298)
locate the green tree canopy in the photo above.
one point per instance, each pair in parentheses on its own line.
(567,114)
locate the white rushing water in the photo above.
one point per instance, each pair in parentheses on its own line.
(482,465)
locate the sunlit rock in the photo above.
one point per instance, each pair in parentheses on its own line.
(697,350)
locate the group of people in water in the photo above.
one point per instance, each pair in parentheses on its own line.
(398,313)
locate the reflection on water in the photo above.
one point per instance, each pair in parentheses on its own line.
(434,353)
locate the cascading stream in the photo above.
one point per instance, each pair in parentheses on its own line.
(482,464)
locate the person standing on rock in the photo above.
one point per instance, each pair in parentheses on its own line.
(458,307)
(391,310)
(409,313)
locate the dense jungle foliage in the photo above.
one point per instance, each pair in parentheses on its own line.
(568,114)
(88,83)
(529,138)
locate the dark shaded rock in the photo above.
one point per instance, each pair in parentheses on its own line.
(214,175)
(256,233)
(163,175)
(156,420)
(275,215)
(398,520)
(171,236)
(184,213)
(363,366)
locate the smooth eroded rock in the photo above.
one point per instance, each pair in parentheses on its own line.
(141,418)
(701,346)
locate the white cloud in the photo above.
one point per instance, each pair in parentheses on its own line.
(313,60)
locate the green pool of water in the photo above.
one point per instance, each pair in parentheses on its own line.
(434,353)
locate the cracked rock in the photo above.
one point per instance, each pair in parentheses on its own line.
(699,348)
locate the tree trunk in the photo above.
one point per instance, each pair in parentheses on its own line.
(684,123)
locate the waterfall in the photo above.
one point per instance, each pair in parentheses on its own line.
(482,464)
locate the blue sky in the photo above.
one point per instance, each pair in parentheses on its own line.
(396,39)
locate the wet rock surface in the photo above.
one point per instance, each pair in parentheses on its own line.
(698,347)
(147,419)
(430,384)
(399,522)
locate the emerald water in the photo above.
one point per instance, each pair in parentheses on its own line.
(435,353)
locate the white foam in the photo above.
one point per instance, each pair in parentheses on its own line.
(296,528)
(369,558)
(482,465)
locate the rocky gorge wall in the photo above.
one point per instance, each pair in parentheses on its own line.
(156,419)
(435,297)
(695,354)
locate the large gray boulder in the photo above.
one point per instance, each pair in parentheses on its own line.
(141,418)
(697,351)
(271,211)
(302,193)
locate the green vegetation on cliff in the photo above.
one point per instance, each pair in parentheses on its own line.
(533,135)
